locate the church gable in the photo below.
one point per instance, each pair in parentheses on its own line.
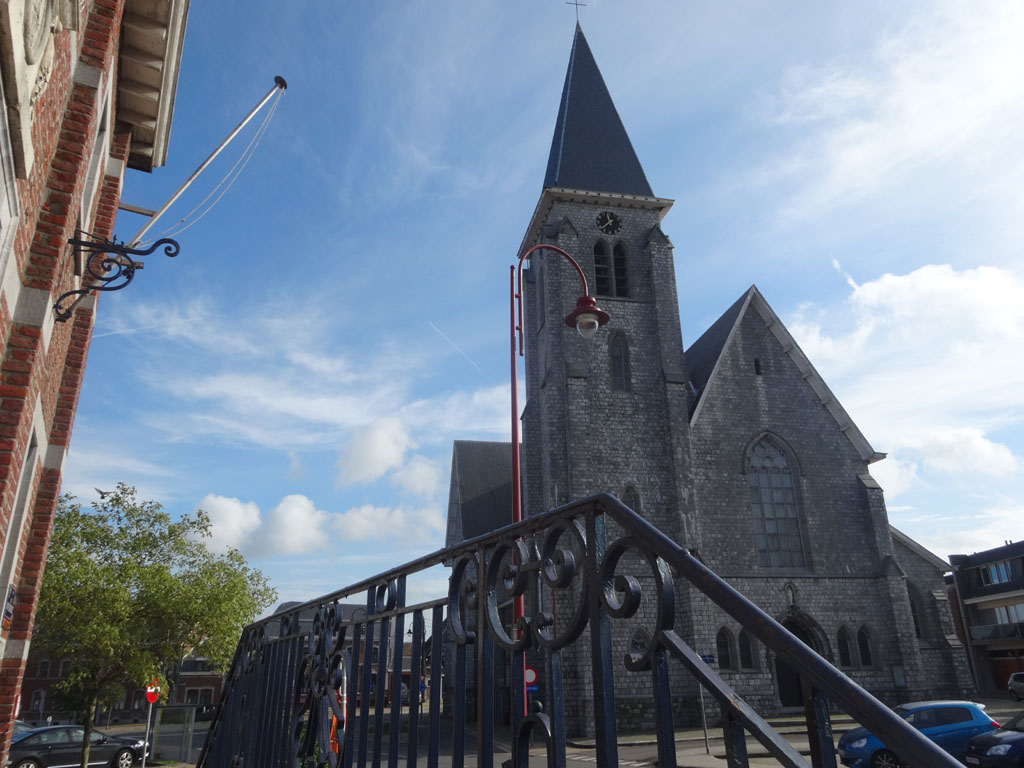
(779,477)
(704,357)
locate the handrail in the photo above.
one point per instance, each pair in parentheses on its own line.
(297,674)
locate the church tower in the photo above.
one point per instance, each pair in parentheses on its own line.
(609,413)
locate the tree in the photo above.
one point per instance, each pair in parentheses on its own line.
(127,590)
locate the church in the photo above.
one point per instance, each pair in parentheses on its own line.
(732,445)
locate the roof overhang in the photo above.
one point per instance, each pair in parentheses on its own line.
(998,598)
(551,195)
(152,34)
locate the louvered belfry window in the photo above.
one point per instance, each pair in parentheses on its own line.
(602,270)
(611,273)
(621,271)
(778,533)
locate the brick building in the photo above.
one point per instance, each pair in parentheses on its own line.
(88,92)
(734,446)
(196,683)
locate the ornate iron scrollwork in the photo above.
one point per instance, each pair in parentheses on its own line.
(318,727)
(111,266)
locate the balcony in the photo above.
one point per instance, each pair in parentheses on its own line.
(990,633)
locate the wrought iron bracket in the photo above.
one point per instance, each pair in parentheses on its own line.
(111,266)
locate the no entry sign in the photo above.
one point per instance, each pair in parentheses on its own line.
(530,676)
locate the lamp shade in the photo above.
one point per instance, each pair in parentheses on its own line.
(587,317)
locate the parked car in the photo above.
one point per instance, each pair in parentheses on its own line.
(61,745)
(1015,685)
(1001,748)
(948,723)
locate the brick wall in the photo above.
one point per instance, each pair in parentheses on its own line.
(41,363)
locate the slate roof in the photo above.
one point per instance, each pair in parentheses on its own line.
(482,480)
(704,352)
(590,149)
(1005,552)
(703,356)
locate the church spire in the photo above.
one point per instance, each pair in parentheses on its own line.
(591,150)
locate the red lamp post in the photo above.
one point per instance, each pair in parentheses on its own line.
(586,318)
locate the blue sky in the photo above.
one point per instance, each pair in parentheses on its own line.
(340,316)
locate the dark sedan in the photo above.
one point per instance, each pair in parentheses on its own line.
(1001,748)
(57,746)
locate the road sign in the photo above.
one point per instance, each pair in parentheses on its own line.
(153,692)
(707,658)
(530,676)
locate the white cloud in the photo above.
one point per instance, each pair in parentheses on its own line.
(296,526)
(895,476)
(292,527)
(928,370)
(420,476)
(934,110)
(232,521)
(965,449)
(462,412)
(374,450)
(981,530)
(400,523)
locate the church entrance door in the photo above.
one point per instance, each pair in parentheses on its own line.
(791,693)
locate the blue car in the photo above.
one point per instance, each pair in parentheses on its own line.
(950,724)
(1003,748)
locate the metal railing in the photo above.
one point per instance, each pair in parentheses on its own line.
(304,689)
(991,632)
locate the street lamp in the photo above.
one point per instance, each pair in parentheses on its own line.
(586,318)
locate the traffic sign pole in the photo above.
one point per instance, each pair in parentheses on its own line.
(145,742)
(152,694)
(707,658)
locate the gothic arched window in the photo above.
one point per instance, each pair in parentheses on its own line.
(631,498)
(620,271)
(917,611)
(602,270)
(723,645)
(747,658)
(618,350)
(639,641)
(843,644)
(778,529)
(864,646)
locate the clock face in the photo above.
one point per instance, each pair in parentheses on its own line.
(608,223)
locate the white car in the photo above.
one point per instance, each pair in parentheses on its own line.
(1015,685)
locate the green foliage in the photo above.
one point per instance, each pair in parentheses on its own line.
(127,591)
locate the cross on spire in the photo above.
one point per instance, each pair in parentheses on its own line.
(577,3)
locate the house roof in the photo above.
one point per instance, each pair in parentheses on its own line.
(481,493)
(1005,552)
(703,354)
(590,149)
(909,543)
(707,353)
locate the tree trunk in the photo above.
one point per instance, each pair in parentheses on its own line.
(90,714)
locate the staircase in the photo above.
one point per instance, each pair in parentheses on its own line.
(316,686)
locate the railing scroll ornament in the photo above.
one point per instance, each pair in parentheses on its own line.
(321,686)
